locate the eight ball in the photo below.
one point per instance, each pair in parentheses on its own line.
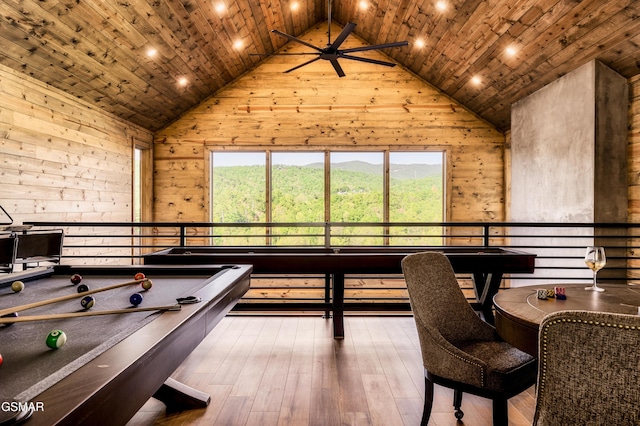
(82,288)
(75,279)
(87,302)
(56,339)
(135,299)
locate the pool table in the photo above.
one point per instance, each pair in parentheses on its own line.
(111,364)
(485,264)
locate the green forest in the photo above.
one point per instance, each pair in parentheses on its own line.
(297,195)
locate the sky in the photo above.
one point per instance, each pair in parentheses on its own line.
(305,158)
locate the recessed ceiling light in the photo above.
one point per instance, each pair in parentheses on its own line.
(476,80)
(511,51)
(238,44)
(151,52)
(364,5)
(419,43)
(441,6)
(182,81)
(295,6)
(219,7)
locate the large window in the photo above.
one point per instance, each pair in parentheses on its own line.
(416,195)
(357,195)
(238,195)
(297,196)
(300,191)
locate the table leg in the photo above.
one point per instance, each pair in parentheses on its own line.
(485,286)
(178,397)
(327,294)
(338,306)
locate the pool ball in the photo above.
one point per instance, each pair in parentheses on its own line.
(139,276)
(82,288)
(75,279)
(11,315)
(147,284)
(0,359)
(17,286)
(135,299)
(56,339)
(88,302)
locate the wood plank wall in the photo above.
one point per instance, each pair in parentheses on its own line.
(63,159)
(373,107)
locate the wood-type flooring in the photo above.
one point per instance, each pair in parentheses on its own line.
(288,370)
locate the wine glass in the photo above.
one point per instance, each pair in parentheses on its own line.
(595,260)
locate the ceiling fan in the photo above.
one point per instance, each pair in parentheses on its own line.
(332,51)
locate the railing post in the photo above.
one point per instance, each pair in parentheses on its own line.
(327,235)
(485,235)
(183,236)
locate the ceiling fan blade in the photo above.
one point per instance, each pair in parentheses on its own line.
(375,47)
(282,54)
(337,67)
(302,65)
(292,38)
(370,61)
(343,35)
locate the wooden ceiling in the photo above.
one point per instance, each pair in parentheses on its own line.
(97,50)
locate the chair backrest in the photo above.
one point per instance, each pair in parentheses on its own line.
(437,301)
(589,369)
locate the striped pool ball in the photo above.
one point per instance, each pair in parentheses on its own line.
(135,299)
(87,302)
(56,339)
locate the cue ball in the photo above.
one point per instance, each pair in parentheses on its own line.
(17,286)
(87,302)
(56,339)
(76,278)
(147,284)
(139,276)
(135,299)
(82,288)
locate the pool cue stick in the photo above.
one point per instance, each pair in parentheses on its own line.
(11,320)
(67,297)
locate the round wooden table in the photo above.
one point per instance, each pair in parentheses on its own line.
(519,311)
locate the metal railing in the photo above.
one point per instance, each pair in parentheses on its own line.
(559,246)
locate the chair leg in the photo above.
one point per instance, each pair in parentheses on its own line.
(457,403)
(428,401)
(500,412)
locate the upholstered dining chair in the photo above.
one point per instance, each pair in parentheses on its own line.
(589,371)
(459,350)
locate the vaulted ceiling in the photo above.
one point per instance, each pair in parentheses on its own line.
(149,61)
